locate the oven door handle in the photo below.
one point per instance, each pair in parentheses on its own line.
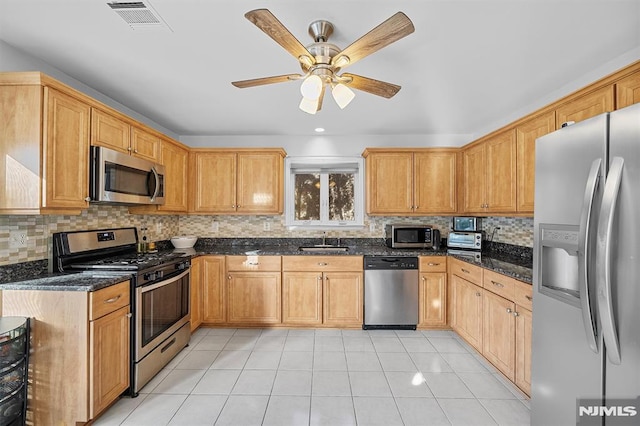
(153,286)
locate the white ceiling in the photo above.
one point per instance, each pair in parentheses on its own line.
(467,64)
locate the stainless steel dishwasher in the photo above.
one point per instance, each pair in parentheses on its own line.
(390,292)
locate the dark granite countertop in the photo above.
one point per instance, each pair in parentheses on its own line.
(32,276)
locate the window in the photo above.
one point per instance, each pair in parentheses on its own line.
(324,192)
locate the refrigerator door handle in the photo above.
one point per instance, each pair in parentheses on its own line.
(584,253)
(603,259)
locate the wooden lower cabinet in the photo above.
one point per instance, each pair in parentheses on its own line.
(467,310)
(524,326)
(214,294)
(499,327)
(254,297)
(196,306)
(302,298)
(343,298)
(79,364)
(322,290)
(433,291)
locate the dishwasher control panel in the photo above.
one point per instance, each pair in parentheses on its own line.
(390,262)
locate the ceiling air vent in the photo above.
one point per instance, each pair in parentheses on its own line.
(138,14)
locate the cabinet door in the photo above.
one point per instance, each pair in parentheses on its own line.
(342,293)
(390,182)
(468,310)
(145,145)
(213,179)
(214,290)
(628,91)
(526,135)
(435,182)
(195,277)
(473,179)
(523,349)
(174,159)
(109,131)
(254,297)
(109,355)
(66,151)
(433,299)
(260,183)
(586,106)
(499,333)
(302,297)
(501,172)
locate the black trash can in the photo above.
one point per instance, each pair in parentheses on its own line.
(14,369)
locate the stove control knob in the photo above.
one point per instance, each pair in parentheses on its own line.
(149,276)
(159,274)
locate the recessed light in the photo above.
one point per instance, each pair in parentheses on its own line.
(319,129)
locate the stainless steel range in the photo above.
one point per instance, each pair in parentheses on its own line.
(160,299)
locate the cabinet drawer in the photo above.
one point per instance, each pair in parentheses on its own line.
(108,299)
(322,263)
(466,270)
(253,263)
(524,295)
(433,264)
(499,284)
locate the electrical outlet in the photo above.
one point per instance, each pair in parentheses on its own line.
(158,228)
(214,226)
(372,227)
(266,225)
(17,239)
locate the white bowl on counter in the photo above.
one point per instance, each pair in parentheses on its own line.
(184,241)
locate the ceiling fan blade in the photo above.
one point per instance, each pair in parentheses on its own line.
(391,30)
(270,25)
(266,80)
(375,87)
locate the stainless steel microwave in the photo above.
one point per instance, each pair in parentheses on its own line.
(120,178)
(467,224)
(411,236)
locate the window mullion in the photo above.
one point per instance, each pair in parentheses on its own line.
(324,198)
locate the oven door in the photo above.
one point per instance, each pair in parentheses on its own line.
(161,309)
(120,178)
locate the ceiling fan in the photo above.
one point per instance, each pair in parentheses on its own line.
(321,61)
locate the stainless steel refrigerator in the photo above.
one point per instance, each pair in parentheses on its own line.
(586,277)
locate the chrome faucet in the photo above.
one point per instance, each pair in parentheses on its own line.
(324,238)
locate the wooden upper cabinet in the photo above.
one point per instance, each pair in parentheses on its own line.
(232,181)
(175,160)
(526,135)
(411,182)
(65,152)
(489,175)
(473,179)
(585,106)
(628,91)
(145,145)
(259,183)
(109,131)
(435,181)
(389,182)
(119,135)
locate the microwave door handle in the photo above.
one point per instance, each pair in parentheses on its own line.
(603,259)
(157,185)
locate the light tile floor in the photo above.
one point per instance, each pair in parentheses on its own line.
(245,377)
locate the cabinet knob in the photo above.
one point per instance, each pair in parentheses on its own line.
(319,277)
(423,279)
(529,298)
(322,263)
(516,314)
(509,311)
(478,294)
(87,199)
(135,150)
(433,264)
(229,277)
(113,299)
(129,315)
(129,149)
(497,284)
(465,271)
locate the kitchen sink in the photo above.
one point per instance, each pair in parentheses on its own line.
(323,248)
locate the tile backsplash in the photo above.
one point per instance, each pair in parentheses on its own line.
(38,229)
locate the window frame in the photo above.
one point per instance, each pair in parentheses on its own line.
(324,166)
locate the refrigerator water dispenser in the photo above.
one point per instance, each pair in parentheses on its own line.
(558,264)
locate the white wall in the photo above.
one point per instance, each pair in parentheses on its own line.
(13,59)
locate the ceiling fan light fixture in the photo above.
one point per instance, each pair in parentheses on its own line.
(311,87)
(310,106)
(342,95)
